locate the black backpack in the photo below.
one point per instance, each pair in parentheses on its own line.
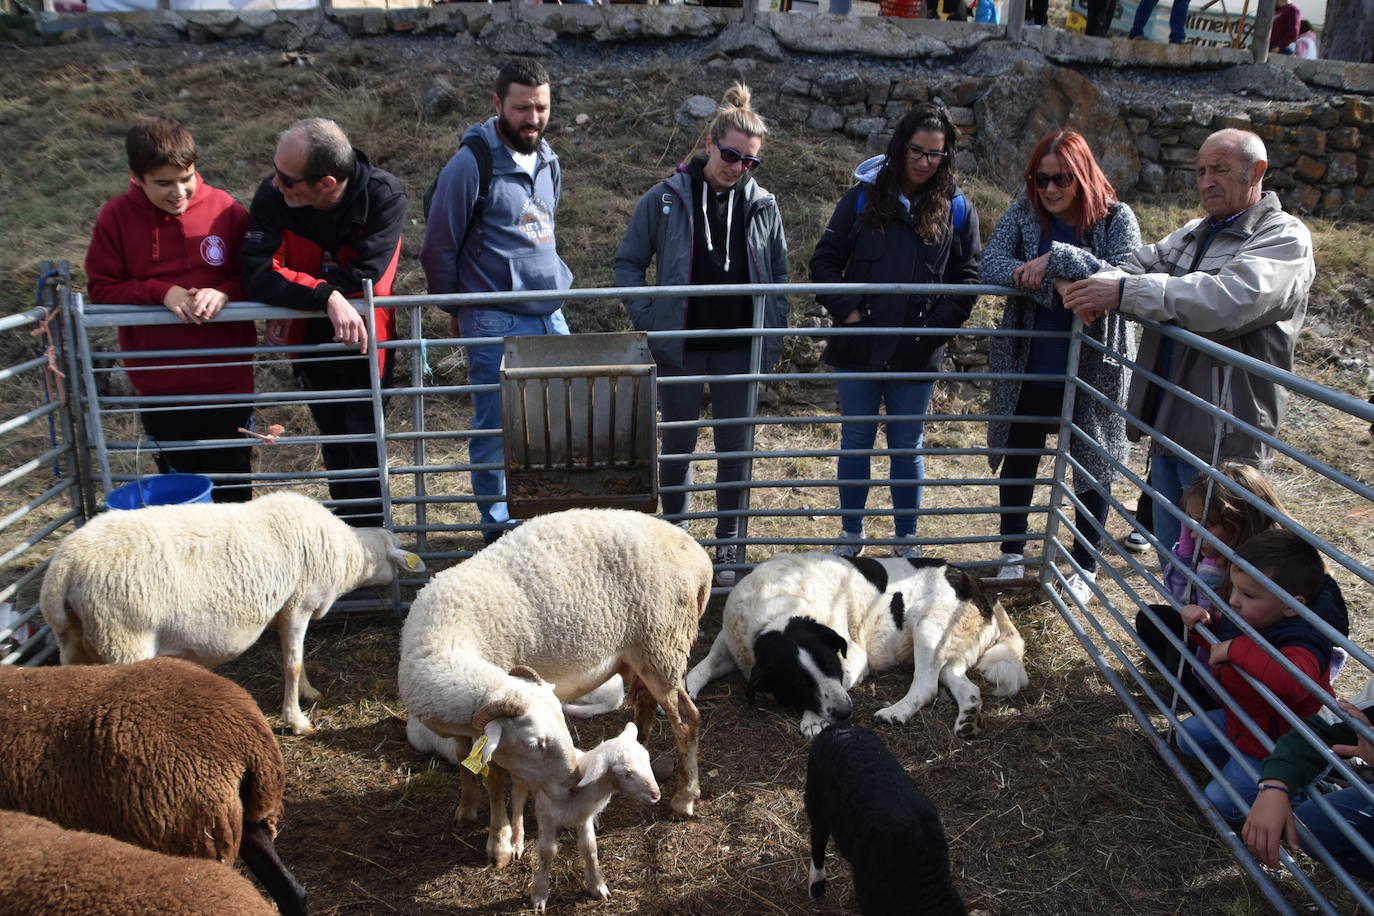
(482,153)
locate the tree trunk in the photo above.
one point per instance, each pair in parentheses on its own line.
(1349,30)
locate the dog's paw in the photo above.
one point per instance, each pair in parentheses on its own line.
(893,715)
(812,725)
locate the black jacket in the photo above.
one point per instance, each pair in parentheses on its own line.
(851,251)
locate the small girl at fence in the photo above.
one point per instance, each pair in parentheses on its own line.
(1231,520)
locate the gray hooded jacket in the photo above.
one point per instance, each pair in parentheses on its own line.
(661,229)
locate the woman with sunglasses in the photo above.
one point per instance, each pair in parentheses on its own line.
(904,222)
(709,223)
(1065,225)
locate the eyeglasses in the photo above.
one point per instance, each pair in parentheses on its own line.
(930,155)
(287,181)
(730,156)
(1061,180)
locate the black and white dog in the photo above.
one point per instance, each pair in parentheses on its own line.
(807,627)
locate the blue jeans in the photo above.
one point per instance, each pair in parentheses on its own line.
(1196,741)
(1178,19)
(484,365)
(861,397)
(1351,807)
(1171,476)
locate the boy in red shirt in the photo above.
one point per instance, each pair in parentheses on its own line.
(171,240)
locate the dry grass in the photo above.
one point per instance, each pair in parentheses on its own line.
(1062,807)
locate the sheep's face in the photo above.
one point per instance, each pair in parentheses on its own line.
(627,761)
(535,745)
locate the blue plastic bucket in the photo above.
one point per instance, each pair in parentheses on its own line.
(161,490)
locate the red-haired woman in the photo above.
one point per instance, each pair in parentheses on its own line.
(1066,224)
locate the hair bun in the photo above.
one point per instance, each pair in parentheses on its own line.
(737,95)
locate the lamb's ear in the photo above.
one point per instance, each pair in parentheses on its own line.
(630,731)
(596,768)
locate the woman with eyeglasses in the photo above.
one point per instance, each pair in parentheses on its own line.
(1066,224)
(709,223)
(905,221)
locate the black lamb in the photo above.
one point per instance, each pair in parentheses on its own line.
(886,827)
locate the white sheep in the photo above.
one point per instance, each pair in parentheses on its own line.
(577,596)
(48,871)
(162,754)
(203,581)
(620,764)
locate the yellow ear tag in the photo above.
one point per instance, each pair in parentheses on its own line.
(412,561)
(473,761)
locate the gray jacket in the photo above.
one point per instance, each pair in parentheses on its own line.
(661,228)
(514,245)
(1247,291)
(1017,240)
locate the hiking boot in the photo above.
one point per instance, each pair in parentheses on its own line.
(1012,566)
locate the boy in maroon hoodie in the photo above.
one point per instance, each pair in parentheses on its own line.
(171,240)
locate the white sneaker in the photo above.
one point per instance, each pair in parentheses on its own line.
(726,555)
(1079,587)
(1135,542)
(1012,566)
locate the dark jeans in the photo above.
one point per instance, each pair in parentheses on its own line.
(204,423)
(1178,19)
(1038,11)
(346,418)
(1042,400)
(1100,15)
(954,8)
(1151,636)
(728,400)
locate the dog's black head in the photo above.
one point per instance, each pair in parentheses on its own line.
(800,666)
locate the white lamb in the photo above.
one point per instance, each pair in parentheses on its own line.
(577,596)
(203,581)
(620,764)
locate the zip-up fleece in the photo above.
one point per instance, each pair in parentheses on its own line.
(661,228)
(1248,292)
(851,251)
(514,245)
(139,252)
(284,251)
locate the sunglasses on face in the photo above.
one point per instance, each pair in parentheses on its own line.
(730,156)
(287,181)
(1061,180)
(919,153)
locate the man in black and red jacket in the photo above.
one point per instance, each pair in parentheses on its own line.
(321,224)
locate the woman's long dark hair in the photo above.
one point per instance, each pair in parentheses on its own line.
(932,209)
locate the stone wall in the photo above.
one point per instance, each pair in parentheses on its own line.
(1315,116)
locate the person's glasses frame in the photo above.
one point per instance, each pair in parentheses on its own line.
(930,155)
(288,182)
(729,155)
(1061,180)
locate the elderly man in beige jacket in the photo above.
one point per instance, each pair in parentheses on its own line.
(1239,277)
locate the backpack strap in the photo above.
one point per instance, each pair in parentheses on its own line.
(958,210)
(482,153)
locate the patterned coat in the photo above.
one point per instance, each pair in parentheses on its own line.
(1017,240)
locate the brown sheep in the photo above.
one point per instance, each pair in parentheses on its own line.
(162,754)
(48,871)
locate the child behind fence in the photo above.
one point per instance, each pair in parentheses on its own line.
(1296,566)
(1231,520)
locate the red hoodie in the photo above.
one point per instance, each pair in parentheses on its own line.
(138,252)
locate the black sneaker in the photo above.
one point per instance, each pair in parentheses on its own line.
(726,555)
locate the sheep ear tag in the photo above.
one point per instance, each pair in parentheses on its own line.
(473,761)
(412,561)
